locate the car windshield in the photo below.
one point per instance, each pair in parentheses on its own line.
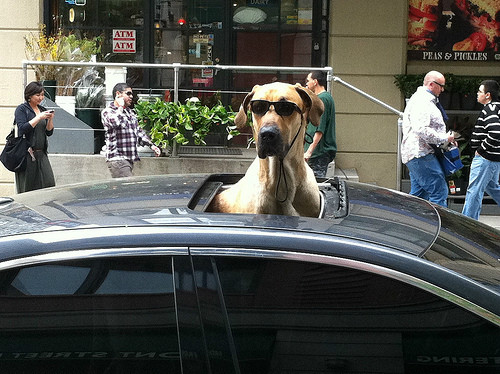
(469,248)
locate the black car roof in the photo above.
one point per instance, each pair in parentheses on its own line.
(364,212)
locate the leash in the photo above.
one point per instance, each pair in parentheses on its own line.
(278,184)
(308,138)
(281,168)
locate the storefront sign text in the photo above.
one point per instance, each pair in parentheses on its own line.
(124,41)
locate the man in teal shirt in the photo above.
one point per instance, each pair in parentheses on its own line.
(320,144)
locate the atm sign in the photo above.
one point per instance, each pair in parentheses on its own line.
(124,41)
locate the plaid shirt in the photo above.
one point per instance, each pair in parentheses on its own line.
(123,133)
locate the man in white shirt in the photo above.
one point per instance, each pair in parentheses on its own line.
(423,126)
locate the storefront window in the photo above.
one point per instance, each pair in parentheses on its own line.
(201,32)
(105,17)
(104,13)
(116,13)
(281,32)
(285,14)
(188,32)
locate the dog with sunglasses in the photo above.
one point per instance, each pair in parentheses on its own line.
(279,181)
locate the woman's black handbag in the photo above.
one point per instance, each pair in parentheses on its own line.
(15,152)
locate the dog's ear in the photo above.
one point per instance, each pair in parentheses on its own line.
(241,118)
(312,102)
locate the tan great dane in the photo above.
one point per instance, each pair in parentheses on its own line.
(279,181)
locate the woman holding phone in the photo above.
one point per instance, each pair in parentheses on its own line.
(36,123)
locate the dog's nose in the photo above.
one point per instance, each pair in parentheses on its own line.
(270,142)
(269,134)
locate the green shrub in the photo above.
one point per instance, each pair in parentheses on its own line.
(169,122)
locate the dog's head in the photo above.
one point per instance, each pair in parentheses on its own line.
(279,114)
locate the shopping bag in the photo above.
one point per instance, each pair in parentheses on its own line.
(450,160)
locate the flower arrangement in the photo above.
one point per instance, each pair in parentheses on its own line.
(90,90)
(60,47)
(81,49)
(40,47)
(76,49)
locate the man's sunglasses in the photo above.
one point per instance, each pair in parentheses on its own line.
(439,84)
(129,93)
(283,108)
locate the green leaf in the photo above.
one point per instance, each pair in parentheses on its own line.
(174,120)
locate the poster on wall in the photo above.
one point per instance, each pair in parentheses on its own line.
(454,30)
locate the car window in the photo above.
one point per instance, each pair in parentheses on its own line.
(469,248)
(50,279)
(69,278)
(207,311)
(227,315)
(90,316)
(137,282)
(115,315)
(294,317)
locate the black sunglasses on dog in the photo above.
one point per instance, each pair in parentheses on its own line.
(283,108)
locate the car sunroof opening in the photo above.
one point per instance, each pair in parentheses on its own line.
(334,202)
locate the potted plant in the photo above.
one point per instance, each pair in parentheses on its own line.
(169,122)
(91,97)
(58,47)
(42,47)
(467,87)
(453,86)
(408,83)
(446,96)
(76,49)
(218,135)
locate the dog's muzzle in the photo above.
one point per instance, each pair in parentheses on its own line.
(270,142)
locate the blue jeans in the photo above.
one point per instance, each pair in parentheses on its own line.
(483,177)
(427,179)
(319,165)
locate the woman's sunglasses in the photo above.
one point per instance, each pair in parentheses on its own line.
(283,108)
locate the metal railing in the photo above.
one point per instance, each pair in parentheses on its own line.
(177,67)
(399,167)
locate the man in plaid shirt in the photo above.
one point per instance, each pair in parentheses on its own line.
(123,133)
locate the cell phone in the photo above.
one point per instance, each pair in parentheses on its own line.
(51,111)
(120,101)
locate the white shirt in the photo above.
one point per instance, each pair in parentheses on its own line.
(422,125)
